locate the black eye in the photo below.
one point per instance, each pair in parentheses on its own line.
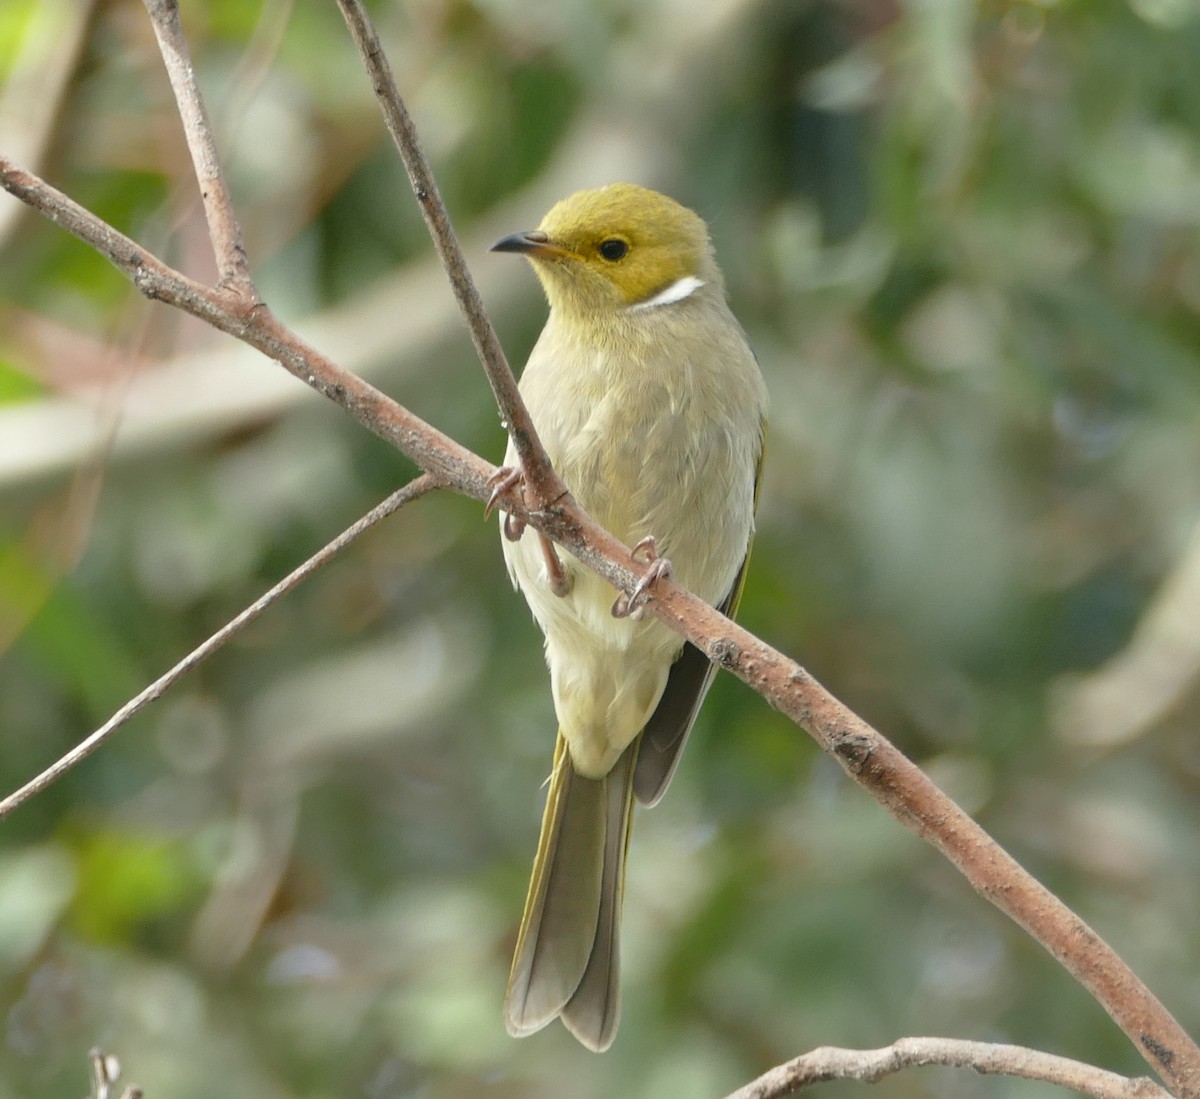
(613,249)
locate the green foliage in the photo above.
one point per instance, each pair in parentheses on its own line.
(15,29)
(124,882)
(15,385)
(69,642)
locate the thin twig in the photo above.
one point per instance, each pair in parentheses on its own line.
(414,489)
(223,228)
(867,756)
(870,759)
(869,1066)
(254,324)
(542,484)
(885,772)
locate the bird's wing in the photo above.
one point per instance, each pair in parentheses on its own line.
(690,677)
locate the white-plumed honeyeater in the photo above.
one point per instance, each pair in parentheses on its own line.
(652,409)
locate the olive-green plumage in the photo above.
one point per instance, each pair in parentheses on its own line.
(651,406)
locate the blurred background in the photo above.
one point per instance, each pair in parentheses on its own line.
(964,240)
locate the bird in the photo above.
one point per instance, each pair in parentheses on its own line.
(651,406)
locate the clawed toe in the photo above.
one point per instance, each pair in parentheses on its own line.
(658,568)
(557,577)
(503,482)
(645,552)
(513,527)
(506,481)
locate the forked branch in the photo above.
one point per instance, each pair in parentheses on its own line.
(223,229)
(542,484)
(869,758)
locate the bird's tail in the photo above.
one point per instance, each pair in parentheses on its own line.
(567,956)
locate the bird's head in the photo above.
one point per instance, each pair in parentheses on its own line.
(617,248)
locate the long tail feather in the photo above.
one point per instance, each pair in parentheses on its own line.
(594,1010)
(566,957)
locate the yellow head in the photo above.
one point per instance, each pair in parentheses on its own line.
(617,248)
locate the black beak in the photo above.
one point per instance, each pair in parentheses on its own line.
(533,242)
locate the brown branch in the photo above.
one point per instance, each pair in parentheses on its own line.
(913,799)
(871,760)
(255,325)
(867,756)
(869,1066)
(412,491)
(223,228)
(542,484)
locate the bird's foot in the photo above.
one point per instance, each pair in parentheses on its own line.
(633,605)
(509,482)
(557,577)
(506,481)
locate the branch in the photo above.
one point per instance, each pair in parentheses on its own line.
(869,1066)
(223,228)
(542,484)
(254,324)
(869,758)
(913,799)
(412,491)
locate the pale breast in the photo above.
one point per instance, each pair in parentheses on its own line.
(651,442)
(661,442)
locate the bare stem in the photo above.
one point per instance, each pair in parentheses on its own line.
(223,228)
(542,483)
(869,1066)
(869,758)
(913,799)
(889,776)
(414,489)
(254,324)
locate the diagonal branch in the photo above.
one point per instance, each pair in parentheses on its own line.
(255,325)
(542,484)
(412,491)
(870,759)
(869,1066)
(223,228)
